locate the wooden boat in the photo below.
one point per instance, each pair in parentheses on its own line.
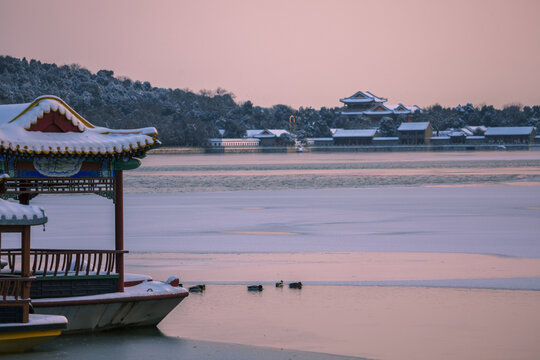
(48,148)
(20,330)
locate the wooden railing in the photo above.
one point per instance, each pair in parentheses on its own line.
(14,289)
(49,262)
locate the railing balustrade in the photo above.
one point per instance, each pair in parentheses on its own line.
(12,289)
(51,262)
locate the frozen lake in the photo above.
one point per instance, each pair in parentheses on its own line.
(404,256)
(500,220)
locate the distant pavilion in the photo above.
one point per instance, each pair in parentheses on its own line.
(375,108)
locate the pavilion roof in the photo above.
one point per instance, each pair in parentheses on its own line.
(20,132)
(12,213)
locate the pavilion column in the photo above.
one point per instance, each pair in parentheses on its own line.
(119,226)
(25,268)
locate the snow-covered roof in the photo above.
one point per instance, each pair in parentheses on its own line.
(386,109)
(413,126)
(398,108)
(265,133)
(20,132)
(509,130)
(476,127)
(252,133)
(414,108)
(352,112)
(355,133)
(361,97)
(12,213)
(375,97)
(378,109)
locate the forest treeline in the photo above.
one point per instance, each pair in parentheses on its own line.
(185,118)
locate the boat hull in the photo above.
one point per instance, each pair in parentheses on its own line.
(116,310)
(20,337)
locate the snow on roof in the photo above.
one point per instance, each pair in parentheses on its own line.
(12,213)
(398,108)
(376,98)
(16,134)
(252,133)
(355,133)
(378,109)
(362,97)
(414,108)
(473,128)
(265,133)
(509,130)
(413,126)
(352,112)
(278,132)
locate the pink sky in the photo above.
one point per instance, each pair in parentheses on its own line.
(300,53)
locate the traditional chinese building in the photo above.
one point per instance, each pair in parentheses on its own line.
(415,133)
(267,137)
(374,107)
(510,135)
(354,136)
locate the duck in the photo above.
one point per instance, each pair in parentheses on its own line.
(255,288)
(279,284)
(197,288)
(295,285)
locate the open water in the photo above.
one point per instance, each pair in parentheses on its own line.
(403,256)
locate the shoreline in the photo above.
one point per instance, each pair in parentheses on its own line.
(169,150)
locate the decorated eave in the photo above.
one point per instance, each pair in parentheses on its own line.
(12,213)
(49,127)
